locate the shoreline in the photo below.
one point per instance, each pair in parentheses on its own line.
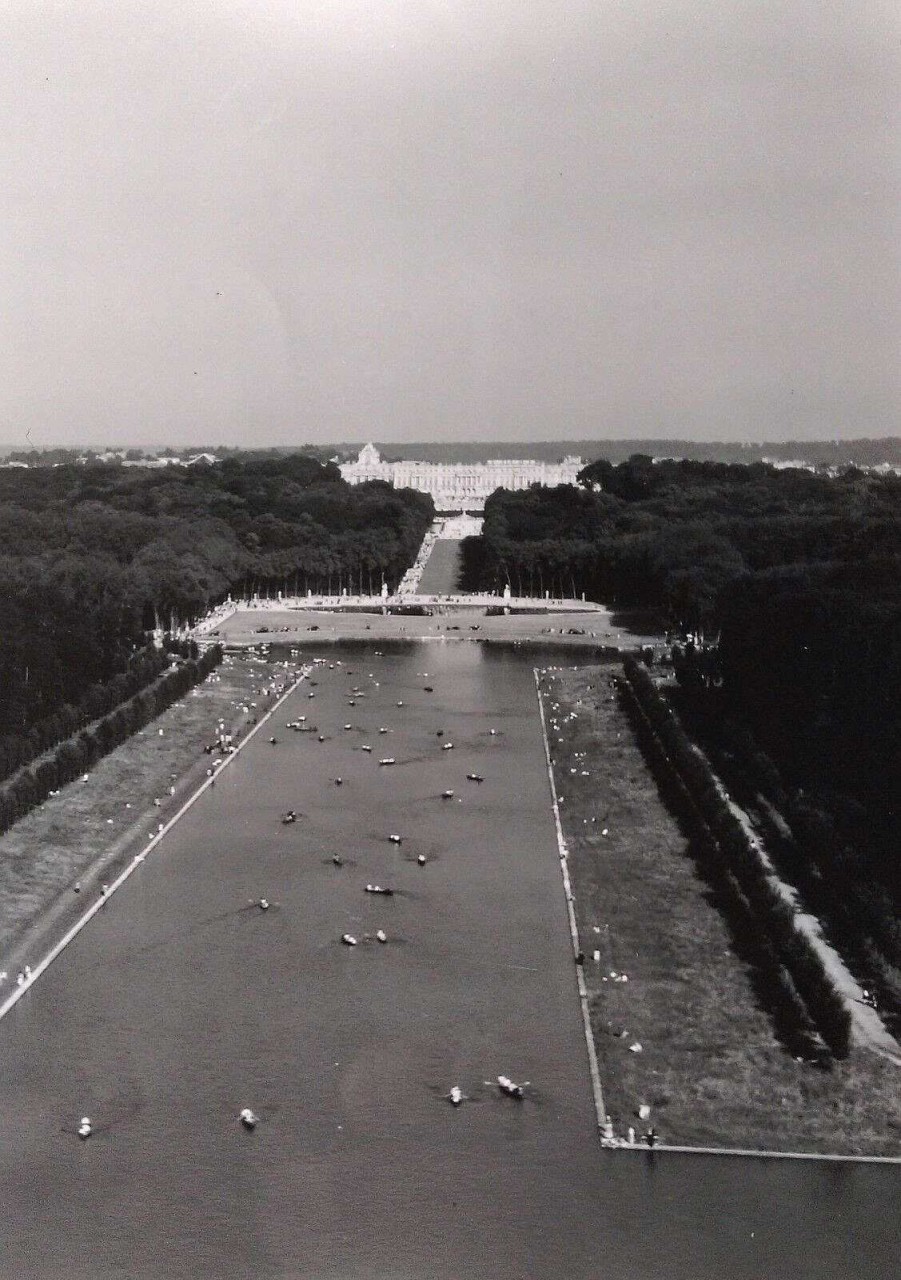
(40,902)
(99,903)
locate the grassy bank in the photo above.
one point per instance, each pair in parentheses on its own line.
(92,827)
(710,1066)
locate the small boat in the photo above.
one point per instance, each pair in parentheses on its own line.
(248,1118)
(456,1096)
(396,839)
(263,904)
(338,782)
(348,939)
(377,888)
(421,859)
(383,729)
(387,760)
(381,935)
(85,1128)
(337,860)
(289,817)
(510,1089)
(400,704)
(428,688)
(364,748)
(347,726)
(447,795)
(475,777)
(447,746)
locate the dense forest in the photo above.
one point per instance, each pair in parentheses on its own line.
(787,587)
(93,557)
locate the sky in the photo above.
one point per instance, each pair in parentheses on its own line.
(262,222)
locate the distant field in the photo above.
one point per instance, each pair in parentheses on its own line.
(710,1065)
(863,452)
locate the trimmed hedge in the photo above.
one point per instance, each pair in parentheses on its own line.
(30,786)
(145,665)
(787,955)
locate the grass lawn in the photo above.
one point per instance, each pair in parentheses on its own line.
(710,1066)
(92,827)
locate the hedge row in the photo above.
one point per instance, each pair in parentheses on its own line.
(80,752)
(773,983)
(788,954)
(830,865)
(145,665)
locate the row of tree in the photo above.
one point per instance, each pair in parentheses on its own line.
(73,756)
(18,749)
(94,557)
(791,973)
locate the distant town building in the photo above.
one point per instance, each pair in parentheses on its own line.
(456,486)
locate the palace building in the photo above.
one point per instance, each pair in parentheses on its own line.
(457,486)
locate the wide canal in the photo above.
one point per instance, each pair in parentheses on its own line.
(183,1002)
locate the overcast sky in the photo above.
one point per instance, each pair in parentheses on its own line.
(286,221)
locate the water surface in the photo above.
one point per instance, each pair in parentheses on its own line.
(183,1002)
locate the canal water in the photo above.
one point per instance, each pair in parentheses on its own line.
(183,1002)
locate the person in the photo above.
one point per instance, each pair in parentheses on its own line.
(651,1136)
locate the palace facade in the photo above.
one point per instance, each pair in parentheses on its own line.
(457,486)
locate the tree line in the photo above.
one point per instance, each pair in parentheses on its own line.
(73,755)
(787,586)
(92,558)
